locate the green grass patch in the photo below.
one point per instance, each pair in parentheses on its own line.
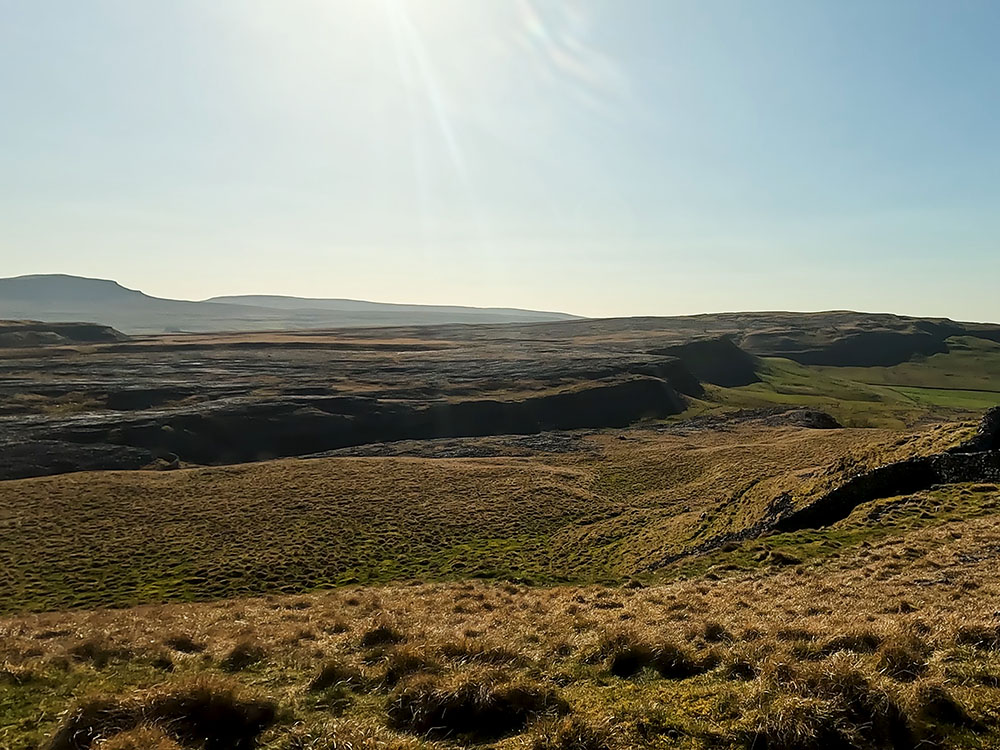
(869,523)
(955,385)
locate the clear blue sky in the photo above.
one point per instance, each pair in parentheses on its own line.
(605,158)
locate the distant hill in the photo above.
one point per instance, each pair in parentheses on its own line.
(59,297)
(836,338)
(279,302)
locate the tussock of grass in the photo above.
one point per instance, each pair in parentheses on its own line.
(91,720)
(934,703)
(15,675)
(904,658)
(184,643)
(243,655)
(740,667)
(140,738)
(858,642)
(472,651)
(347,735)
(97,652)
(382,635)
(402,662)
(715,632)
(336,673)
(627,657)
(203,712)
(211,712)
(479,706)
(986,637)
(573,733)
(834,704)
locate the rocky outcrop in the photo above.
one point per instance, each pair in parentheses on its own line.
(987,437)
(886,481)
(29,333)
(32,458)
(237,432)
(959,466)
(977,460)
(718,361)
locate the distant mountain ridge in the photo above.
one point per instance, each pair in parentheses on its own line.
(61,297)
(64,288)
(283,302)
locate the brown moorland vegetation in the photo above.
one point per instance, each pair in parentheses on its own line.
(457,564)
(894,643)
(616,506)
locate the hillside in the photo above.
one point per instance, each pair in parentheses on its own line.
(217,399)
(572,507)
(459,313)
(56,298)
(851,639)
(714,533)
(19,334)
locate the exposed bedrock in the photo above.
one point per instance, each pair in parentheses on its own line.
(970,462)
(30,333)
(716,360)
(32,458)
(987,437)
(900,478)
(886,481)
(233,433)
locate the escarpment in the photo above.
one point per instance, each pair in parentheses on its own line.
(976,460)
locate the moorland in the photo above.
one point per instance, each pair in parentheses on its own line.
(760,530)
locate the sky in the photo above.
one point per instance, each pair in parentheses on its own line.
(607,158)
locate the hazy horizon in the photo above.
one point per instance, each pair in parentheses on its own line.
(600,159)
(232,298)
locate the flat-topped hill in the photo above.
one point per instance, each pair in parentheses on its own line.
(58,297)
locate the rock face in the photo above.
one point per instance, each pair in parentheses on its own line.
(234,433)
(715,360)
(32,458)
(987,437)
(29,333)
(977,460)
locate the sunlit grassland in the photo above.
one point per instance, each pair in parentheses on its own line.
(620,507)
(960,383)
(848,634)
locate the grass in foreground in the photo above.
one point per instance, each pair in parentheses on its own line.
(893,644)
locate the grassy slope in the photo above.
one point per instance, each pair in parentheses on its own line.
(955,385)
(615,509)
(842,639)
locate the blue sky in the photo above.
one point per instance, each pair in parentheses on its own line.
(605,158)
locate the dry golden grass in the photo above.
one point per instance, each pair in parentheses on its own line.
(620,506)
(895,643)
